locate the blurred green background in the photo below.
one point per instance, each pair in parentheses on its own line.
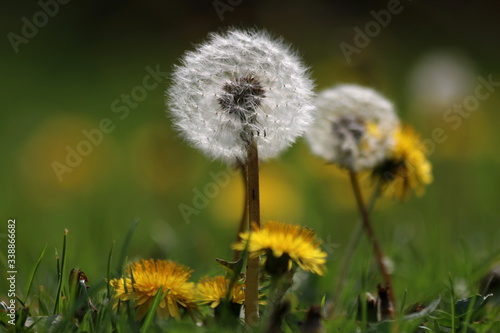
(65,78)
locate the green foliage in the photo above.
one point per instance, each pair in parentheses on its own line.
(78,314)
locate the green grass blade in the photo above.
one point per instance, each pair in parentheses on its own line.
(364,313)
(425,312)
(58,304)
(33,272)
(236,273)
(126,243)
(108,273)
(403,303)
(468,316)
(152,310)
(452,289)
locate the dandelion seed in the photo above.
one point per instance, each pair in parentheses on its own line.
(354,127)
(148,277)
(285,244)
(238,87)
(406,168)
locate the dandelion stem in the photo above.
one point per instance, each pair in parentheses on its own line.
(379,256)
(253,204)
(244,215)
(353,243)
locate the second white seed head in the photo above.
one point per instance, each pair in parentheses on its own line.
(354,127)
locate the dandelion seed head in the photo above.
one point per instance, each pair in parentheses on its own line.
(353,128)
(237,87)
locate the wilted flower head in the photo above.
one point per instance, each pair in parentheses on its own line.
(284,244)
(406,167)
(354,127)
(240,86)
(143,280)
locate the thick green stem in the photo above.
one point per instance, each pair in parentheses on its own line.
(379,256)
(253,203)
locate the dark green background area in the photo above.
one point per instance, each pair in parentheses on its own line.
(65,79)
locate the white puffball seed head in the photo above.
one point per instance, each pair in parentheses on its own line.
(354,127)
(238,87)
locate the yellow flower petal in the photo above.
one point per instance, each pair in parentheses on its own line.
(148,277)
(298,242)
(407,167)
(214,290)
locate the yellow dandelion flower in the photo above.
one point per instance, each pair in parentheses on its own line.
(213,291)
(284,244)
(143,280)
(407,167)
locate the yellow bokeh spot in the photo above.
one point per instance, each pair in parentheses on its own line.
(43,160)
(279,198)
(159,163)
